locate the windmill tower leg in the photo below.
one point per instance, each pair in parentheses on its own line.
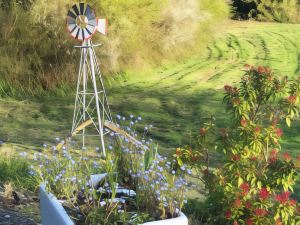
(99,118)
(84,95)
(80,100)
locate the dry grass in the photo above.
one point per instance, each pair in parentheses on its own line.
(38,54)
(8,190)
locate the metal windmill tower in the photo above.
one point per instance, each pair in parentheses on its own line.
(91,111)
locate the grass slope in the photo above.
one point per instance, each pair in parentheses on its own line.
(176,99)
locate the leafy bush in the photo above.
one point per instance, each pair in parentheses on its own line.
(37,53)
(255,184)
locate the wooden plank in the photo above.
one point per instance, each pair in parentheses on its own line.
(113,127)
(109,125)
(81,127)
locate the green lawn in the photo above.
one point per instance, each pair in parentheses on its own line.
(176,98)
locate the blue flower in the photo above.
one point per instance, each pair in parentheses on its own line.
(95,164)
(32,173)
(23,154)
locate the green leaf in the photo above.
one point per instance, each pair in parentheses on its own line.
(248,176)
(292,113)
(288,121)
(259,184)
(180,163)
(240,181)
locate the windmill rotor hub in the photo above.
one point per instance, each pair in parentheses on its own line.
(82,21)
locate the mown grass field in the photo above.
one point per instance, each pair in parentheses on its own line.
(175,99)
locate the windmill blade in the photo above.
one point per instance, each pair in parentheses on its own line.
(72,31)
(102,26)
(88,31)
(72,27)
(72,15)
(79,35)
(71,20)
(75,8)
(82,34)
(93,22)
(75,31)
(81,7)
(85,33)
(89,13)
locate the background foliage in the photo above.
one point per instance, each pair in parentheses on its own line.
(286,11)
(36,53)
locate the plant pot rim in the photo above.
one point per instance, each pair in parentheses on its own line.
(180,220)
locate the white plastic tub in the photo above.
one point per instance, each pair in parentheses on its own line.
(53,213)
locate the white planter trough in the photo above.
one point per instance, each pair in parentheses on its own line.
(52,212)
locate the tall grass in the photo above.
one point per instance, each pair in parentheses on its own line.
(37,54)
(15,170)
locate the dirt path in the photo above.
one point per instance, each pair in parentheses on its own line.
(21,212)
(10,217)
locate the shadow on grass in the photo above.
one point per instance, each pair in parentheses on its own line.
(175,113)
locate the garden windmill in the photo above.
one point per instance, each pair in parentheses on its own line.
(91,104)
